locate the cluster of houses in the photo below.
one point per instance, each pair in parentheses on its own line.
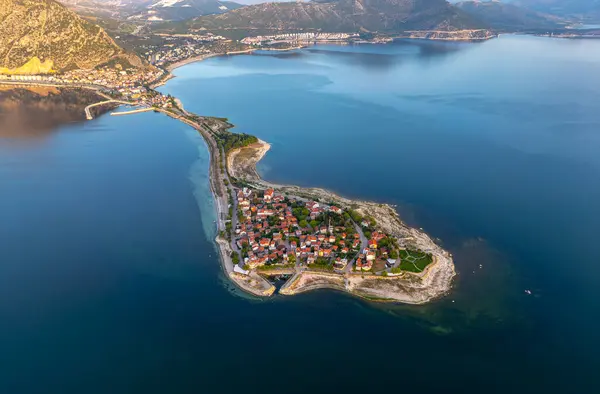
(127,82)
(367,257)
(273,229)
(178,47)
(269,233)
(298,38)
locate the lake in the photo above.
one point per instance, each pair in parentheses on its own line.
(110,282)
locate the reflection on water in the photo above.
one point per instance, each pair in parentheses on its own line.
(37,112)
(26,122)
(372,57)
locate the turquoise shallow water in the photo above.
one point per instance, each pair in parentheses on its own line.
(109,280)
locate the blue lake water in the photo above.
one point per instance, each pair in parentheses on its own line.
(109,280)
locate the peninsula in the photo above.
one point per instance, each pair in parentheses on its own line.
(316,238)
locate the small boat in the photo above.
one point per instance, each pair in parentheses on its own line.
(528,292)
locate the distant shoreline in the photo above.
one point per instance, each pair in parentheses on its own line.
(172,67)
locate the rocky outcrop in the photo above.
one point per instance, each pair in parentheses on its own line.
(46,30)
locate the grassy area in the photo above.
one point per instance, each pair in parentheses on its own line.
(231,141)
(414,261)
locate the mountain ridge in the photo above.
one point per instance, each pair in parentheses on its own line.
(508,16)
(342,16)
(46,30)
(150,10)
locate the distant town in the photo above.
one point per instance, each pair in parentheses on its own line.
(170,49)
(297,38)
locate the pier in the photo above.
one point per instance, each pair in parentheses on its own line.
(88,113)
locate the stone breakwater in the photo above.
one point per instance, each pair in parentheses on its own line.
(434,282)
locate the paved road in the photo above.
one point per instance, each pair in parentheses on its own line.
(364,242)
(234,211)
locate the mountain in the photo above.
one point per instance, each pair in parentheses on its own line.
(43,35)
(502,16)
(118,9)
(572,10)
(178,10)
(341,16)
(150,10)
(563,8)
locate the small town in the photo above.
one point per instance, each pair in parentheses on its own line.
(116,80)
(271,230)
(295,38)
(170,49)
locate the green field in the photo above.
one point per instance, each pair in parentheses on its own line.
(414,261)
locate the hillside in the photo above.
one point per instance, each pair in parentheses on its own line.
(578,9)
(58,38)
(341,16)
(178,10)
(149,10)
(501,16)
(117,9)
